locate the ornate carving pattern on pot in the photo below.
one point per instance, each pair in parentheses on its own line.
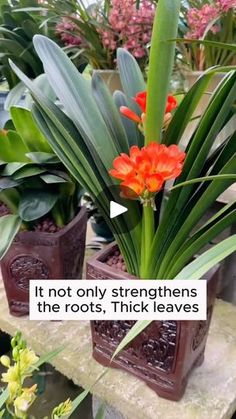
(26,267)
(156,347)
(164,381)
(93,273)
(18,306)
(201,330)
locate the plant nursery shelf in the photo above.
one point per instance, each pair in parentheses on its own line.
(211,392)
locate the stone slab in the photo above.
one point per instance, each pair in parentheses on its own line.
(211,392)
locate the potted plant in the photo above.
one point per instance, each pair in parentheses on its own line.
(209,32)
(95,32)
(44,234)
(159,235)
(212,22)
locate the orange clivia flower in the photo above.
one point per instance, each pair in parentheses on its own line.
(144,171)
(141,100)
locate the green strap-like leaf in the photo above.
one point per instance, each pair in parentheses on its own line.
(215,44)
(14,96)
(101,411)
(110,113)
(203,179)
(28,130)
(202,264)
(197,242)
(9,227)
(75,94)
(131,335)
(131,76)
(3,397)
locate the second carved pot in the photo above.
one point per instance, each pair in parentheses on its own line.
(40,255)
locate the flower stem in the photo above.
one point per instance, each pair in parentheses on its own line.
(147,238)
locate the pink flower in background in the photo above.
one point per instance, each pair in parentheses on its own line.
(125,26)
(129,27)
(226,5)
(200,19)
(65,29)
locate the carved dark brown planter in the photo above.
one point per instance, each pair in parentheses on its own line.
(165,353)
(40,255)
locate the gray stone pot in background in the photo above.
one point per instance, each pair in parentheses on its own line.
(111,78)
(190,79)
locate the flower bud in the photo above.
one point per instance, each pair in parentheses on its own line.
(5,361)
(15,353)
(13,342)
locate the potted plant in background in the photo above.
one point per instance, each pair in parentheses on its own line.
(203,25)
(157,238)
(95,32)
(17,28)
(43,235)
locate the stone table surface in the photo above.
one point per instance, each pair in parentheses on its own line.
(211,393)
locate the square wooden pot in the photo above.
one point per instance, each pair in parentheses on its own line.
(40,255)
(166,352)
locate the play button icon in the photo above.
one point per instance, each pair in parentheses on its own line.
(116,209)
(122,213)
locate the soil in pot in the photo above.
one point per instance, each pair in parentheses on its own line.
(166,352)
(47,253)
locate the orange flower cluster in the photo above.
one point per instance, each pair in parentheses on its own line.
(141,100)
(144,171)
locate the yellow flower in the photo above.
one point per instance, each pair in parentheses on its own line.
(28,359)
(13,388)
(24,401)
(11,375)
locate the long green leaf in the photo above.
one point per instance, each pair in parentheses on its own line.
(215,44)
(110,113)
(29,132)
(75,94)
(131,335)
(202,264)
(173,217)
(203,179)
(3,397)
(101,411)
(18,148)
(49,356)
(14,96)
(188,105)
(131,76)
(25,55)
(207,199)
(80,161)
(203,237)
(9,227)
